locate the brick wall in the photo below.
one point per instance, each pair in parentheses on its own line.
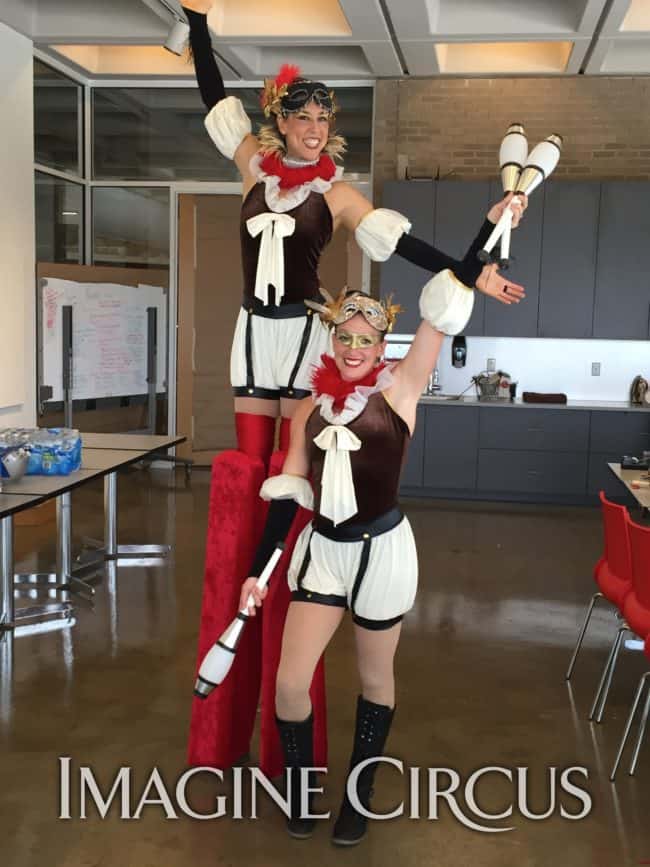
(454,126)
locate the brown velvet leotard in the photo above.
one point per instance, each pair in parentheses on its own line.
(302,250)
(376,466)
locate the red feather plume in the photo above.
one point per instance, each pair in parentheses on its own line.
(288,73)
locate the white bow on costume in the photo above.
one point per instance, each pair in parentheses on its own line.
(270,262)
(338,500)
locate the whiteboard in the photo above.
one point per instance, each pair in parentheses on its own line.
(109,337)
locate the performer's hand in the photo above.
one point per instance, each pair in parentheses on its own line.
(249,587)
(201,6)
(490,282)
(519,205)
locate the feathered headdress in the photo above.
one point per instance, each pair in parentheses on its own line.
(380,314)
(276,88)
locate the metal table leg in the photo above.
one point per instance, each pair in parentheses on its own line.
(52,615)
(63,578)
(111,550)
(6,573)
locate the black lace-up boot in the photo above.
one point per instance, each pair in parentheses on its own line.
(297,744)
(371,730)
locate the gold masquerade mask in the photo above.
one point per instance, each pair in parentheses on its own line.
(380,314)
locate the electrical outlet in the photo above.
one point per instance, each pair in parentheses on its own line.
(595,368)
(491,365)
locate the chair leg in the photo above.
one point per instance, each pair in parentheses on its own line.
(639,740)
(600,699)
(628,725)
(578,646)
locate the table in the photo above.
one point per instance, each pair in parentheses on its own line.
(112,453)
(641,495)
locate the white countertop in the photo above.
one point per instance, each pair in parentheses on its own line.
(472,400)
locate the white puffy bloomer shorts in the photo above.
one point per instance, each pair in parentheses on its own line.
(274,349)
(370,568)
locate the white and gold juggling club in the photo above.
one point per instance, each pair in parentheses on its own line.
(540,163)
(218,660)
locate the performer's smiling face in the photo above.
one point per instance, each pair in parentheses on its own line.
(305,131)
(358,347)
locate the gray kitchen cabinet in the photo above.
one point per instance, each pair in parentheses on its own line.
(622,298)
(519,320)
(461,207)
(532,472)
(620,433)
(569,252)
(413,467)
(416,200)
(451,447)
(534,429)
(601,478)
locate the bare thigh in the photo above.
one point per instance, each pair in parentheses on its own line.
(308,630)
(375,659)
(257,406)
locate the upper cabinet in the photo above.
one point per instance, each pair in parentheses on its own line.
(461,207)
(568,274)
(622,302)
(416,200)
(581,253)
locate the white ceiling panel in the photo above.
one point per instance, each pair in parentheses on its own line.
(446,20)
(334,39)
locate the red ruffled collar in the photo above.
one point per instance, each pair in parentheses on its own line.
(327,379)
(291,177)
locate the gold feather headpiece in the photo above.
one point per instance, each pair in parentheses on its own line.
(380,314)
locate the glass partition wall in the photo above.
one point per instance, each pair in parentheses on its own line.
(110,158)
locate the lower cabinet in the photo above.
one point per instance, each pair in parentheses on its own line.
(527,472)
(451,447)
(520,453)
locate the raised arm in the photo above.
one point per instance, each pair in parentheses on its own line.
(227,123)
(381,232)
(445,307)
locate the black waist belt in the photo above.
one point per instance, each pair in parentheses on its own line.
(273,311)
(362,531)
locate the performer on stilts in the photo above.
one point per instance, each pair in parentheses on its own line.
(349,440)
(293,201)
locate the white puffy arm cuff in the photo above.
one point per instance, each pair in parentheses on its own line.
(379,231)
(287,487)
(228,125)
(446,303)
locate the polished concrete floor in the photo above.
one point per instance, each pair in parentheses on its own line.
(480,683)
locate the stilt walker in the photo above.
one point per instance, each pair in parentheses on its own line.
(294,199)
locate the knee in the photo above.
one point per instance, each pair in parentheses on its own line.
(378,684)
(291,694)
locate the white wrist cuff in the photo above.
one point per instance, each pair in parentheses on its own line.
(446,303)
(379,231)
(287,487)
(228,125)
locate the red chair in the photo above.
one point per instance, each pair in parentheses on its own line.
(636,610)
(612,573)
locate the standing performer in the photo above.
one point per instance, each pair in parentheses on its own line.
(293,202)
(350,438)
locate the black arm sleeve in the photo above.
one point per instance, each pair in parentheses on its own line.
(278,523)
(426,256)
(207,72)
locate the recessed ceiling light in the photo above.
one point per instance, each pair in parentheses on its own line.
(461,58)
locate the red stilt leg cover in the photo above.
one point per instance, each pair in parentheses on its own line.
(273,616)
(255,435)
(221,725)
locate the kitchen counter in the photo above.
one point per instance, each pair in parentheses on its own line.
(472,400)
